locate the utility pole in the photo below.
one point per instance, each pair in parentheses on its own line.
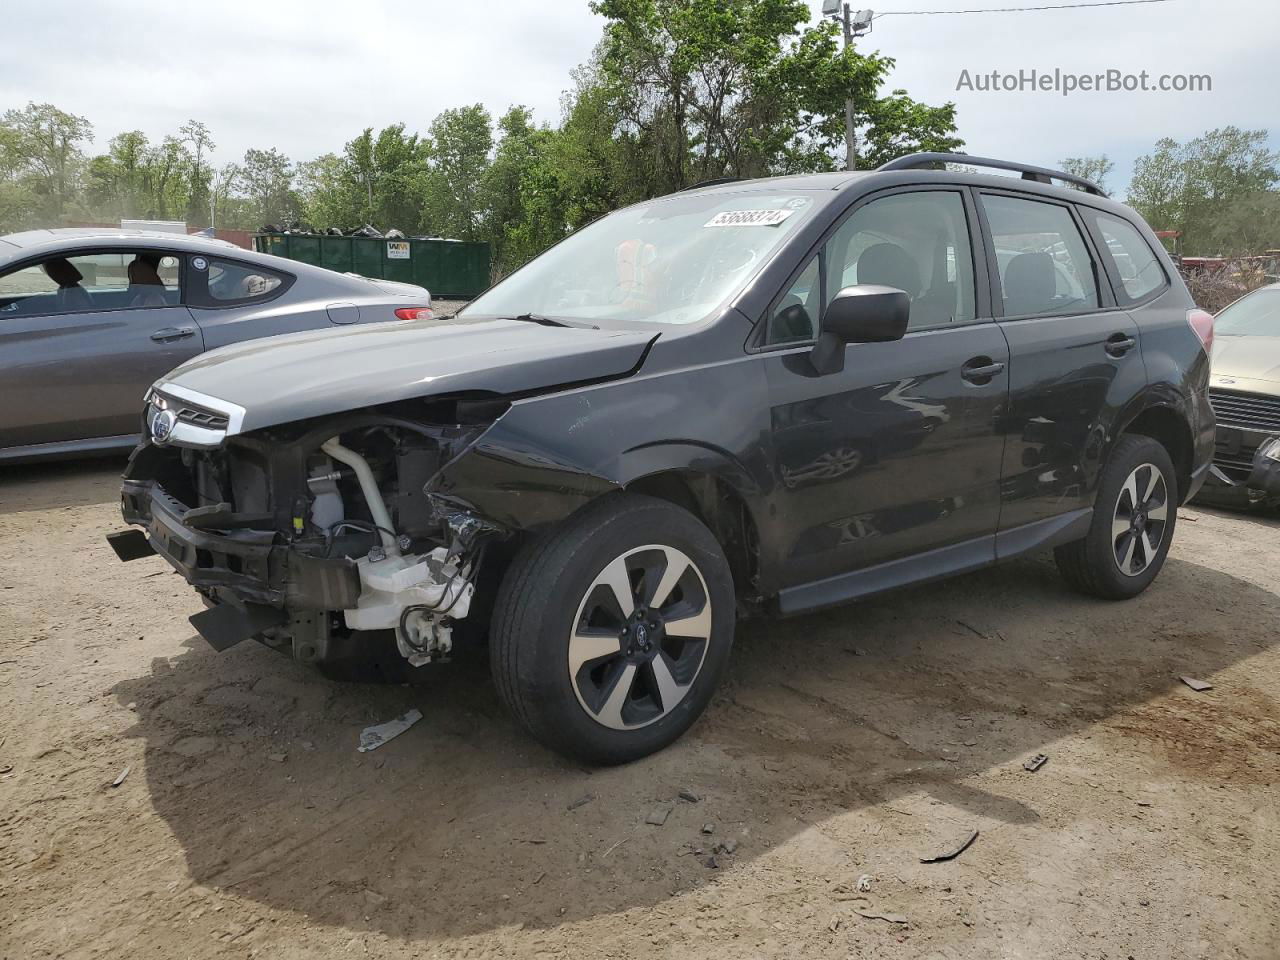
(855,25)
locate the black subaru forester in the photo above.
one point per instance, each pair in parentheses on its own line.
(769,396)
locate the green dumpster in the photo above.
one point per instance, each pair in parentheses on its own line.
(448,268)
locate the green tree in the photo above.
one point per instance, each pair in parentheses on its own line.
(41,149)
(1096,168)
(1187,186)
(200,143)
(461,141)
(707,88)
(523,194)
(266,180)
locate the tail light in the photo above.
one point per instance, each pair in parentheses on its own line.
(1201,322)
(414,313)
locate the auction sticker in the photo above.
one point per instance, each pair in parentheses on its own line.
(748,218)
(397,250)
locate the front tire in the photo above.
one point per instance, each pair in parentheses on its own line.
(611,632)
(1133,523)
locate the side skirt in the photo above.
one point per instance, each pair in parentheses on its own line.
(935,564)
(68,449)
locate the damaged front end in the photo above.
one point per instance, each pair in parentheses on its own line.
(318,538)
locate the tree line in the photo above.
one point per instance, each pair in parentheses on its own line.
(1219,190)
(676,92)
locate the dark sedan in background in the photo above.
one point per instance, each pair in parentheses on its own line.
(1245,393)
(90,318)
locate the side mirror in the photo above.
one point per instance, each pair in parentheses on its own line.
(860,314)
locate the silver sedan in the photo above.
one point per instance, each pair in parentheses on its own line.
(90,318)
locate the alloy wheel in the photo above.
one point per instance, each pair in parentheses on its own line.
(1141,515)
(640,637)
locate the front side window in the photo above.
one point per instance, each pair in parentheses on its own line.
(91,282)
(1135,264)
(673,260)
(915,242)
(1045,266)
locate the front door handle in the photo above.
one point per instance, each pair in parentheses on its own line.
(981,370)
(170,334)
(1118,344)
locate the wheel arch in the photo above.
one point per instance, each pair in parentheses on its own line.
(724,510)
(1168,426)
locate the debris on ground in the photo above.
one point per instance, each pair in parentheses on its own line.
(1199,686)
(972,629)
(371,738)
(834,925)
(582,801)
(952,852)
(614,847)
(689,796)
(728,846)
(711,863)
(864,882)
(708,828)
(658,816)
(277,757)
(120,778)
(868,913)
(7,768)
(1035,763)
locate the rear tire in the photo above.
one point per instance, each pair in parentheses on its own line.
(636,682)
(1133,523)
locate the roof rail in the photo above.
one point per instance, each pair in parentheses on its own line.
(716,181)
(1038,174)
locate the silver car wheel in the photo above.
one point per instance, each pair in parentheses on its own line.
(640,636)
(1138,524)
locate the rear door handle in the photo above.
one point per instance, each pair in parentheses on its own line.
(1118,344)
(980,370)
(170,334)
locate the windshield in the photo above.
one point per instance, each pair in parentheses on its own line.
(1257,315)
(672,260)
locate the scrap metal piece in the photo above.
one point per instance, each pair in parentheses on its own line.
(371,738)
(1199,686)
(1035,763)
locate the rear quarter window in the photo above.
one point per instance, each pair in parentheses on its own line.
(219,282)
(1134,267)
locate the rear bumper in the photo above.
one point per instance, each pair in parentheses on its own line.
(239,566)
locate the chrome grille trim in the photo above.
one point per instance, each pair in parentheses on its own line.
(1252,411)
(199,420)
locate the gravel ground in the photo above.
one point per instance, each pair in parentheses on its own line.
(845,745)
(446,308)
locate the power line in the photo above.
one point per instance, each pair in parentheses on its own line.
(1056,6)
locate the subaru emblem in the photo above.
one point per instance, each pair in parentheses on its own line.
(162,425)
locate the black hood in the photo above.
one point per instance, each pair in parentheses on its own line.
(298,376)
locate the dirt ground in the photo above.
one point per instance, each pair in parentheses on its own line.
(845,744)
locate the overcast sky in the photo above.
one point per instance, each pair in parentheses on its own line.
(308,76)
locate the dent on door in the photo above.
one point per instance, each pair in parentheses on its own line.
(1070,377)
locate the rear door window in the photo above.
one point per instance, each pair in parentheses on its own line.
(1044,262)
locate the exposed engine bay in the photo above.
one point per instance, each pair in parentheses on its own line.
(321,538)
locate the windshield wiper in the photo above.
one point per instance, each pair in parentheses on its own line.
(546,321)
